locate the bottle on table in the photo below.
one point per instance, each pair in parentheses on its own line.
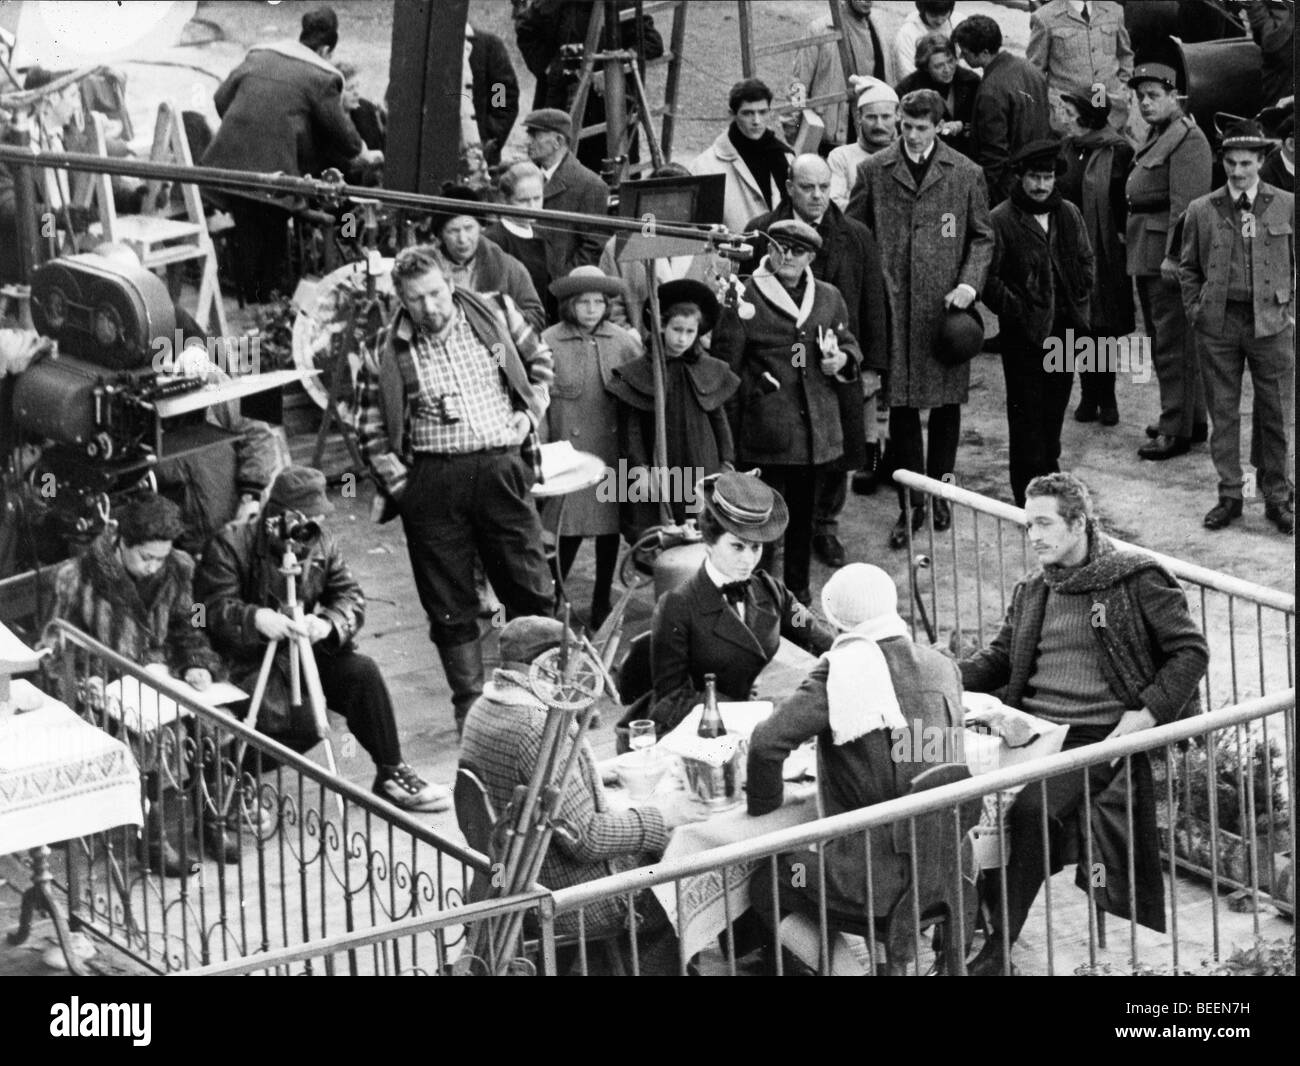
(711,724)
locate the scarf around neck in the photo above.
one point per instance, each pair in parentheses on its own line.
(1099,149)
(1033,207)
(860,694)
(767,283)
(765,159)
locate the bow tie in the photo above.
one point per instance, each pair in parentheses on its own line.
(1243,202)
(734,591)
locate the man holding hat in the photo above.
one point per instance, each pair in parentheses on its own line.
(790,356)
(569,187)
(849,259)
(863,701)
(1039,286)
(1169,171)
(501,745)
(241,587)
(877,123)
(1238,285)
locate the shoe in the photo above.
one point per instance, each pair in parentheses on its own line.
(865,481)
(898,535)
(1085,412)
(989,961)
(1200,433)
(1108,415)
(1281,515)
(827,548)
(156,852)
(1223,513)
(1165,448)
(404,788)
(218,842)
(942,515)
(1153,432)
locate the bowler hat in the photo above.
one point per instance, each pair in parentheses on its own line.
(1154,72)
(523,639)
(302,489)
(790,231)
(1041,154)
(1244,133)
(585,279)
(550,118)
(690,291)
(745,506)
(960,336)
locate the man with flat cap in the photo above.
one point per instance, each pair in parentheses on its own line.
(1169,171)
(790,356)
(1238,285)
(569,187)
(1039,286)
(501,746)
(240,584)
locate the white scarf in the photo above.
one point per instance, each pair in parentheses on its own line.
(859,689)
(766,282)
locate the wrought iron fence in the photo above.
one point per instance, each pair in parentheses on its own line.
(248,847)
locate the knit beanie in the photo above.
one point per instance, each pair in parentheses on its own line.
(858,593)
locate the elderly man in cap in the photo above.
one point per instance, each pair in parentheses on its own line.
(877,123)
(791,355)
(1039,286)
(448,424)
(863,701)
(241,587)
(1238,282)
(1169,171)
(570,186)
(502,745)
(850,260)
(926,204)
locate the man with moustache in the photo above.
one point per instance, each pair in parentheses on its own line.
(877,114)
(1139,669)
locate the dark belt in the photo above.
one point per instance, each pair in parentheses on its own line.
(1155,207)
(502,449)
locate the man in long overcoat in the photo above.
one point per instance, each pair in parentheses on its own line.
(926,204)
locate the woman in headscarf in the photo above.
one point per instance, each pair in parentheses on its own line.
(1097,165)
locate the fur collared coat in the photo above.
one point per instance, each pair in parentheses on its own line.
(148,621)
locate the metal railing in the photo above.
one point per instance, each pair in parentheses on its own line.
(311,855)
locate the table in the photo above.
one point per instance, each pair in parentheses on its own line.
(60,778)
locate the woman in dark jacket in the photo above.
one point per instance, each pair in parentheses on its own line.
(937,69)
(729,618)
(1097,162)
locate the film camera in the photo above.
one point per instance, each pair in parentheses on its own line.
(293,528)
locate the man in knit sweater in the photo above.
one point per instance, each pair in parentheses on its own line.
(1102,641)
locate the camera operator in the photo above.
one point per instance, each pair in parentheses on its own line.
(242,588)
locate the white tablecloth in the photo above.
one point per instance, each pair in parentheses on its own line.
(61,778)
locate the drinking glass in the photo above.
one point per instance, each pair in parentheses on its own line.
(641,734)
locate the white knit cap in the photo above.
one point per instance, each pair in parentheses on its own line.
(858,593)
(873,91)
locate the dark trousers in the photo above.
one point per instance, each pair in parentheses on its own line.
(261,248)
(1271,361)
(829,496)
(797,484)
(1036,403)
(1024,823)
(1173,351)
(1096,387)
(457,507)
(907,450)
(355,688)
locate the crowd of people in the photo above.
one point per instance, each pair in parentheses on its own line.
(959,174)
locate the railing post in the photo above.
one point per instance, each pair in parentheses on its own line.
(546,919)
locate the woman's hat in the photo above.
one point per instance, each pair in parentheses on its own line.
(464,193)
(586,279)
(1093,114)
(960,336)
(690,291)
(745,506)
(858,593)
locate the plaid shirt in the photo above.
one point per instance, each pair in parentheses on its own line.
(502,743)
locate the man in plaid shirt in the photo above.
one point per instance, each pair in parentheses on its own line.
(447,422)
(502,744)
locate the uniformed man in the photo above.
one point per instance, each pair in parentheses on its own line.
(1169,171)
(1237,271)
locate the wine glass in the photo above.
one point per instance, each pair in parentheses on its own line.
(641,736)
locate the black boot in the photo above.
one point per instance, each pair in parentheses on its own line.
(156,851)
(463,665)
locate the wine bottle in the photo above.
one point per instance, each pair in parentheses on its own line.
(711,719)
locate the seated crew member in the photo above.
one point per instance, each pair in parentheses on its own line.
(1139,669)
(242,590)
(502,743)
(132,590)
(866,694)
(730,617)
